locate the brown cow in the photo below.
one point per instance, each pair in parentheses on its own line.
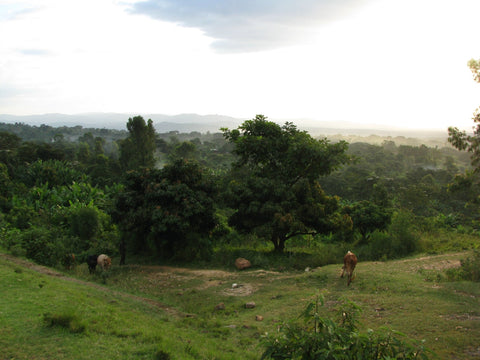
(349,263)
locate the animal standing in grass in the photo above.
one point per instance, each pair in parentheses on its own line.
(101,260)
(104,261)
(349,263)
(92,263)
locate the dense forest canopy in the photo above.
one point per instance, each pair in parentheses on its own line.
(138,191)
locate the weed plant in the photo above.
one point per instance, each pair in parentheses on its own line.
(325,339)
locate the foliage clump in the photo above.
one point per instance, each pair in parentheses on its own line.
(275,192)
(162,355)
(67,320)
(168,211)
(325,339)
(469,269)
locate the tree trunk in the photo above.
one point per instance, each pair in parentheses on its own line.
(278,244)
(123,251)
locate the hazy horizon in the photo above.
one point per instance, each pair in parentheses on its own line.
(381,62)
(213,123)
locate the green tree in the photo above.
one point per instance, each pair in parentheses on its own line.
(471,143)
(460,139)
(183,150)
(169,211)
(368,217)
(275,192)
(6,189)
(137,150)
(9,141)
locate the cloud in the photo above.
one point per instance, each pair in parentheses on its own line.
(13,10)
(250,25)
(35,52)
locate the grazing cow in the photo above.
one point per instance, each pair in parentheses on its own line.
(349,263)
(92,263)
(104,261)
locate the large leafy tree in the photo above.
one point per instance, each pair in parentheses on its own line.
(137,150)
(471,143)
(275,192)
(169,211)
(460,139)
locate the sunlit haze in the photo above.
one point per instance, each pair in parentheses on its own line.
(396,63)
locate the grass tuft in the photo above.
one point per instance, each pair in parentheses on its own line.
(162,355)
(66,321)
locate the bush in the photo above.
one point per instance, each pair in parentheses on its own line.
(469,268)
(84,222)
(325,339)
(404,239)
(380,247)
(10,238)
(21,216)
(40,246)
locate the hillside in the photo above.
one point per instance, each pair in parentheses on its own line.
(143,311)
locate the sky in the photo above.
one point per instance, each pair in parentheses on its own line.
(384,62)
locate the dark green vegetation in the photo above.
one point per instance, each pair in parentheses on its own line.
(274,191)
(267,192)
(181,196)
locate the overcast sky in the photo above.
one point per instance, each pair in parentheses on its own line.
(389,62)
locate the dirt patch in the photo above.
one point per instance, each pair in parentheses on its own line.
(209,278)
(240,290)
(442,265)
(435,262)
(168,270)
(473,353)
(461,317)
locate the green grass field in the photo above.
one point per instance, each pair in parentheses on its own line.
(159,312)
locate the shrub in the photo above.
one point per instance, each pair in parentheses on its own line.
(325,339)
(404,239)
(84,222)
(469,268)
(191,247)
(40,246)
(21,216)
(380,247)
(9,238)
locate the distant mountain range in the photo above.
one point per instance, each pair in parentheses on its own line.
(186,123)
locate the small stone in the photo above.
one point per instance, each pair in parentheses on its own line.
(242,263)
(250,305)
(220,306)
(259,318)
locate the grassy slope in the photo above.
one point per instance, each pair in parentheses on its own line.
(407,295)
